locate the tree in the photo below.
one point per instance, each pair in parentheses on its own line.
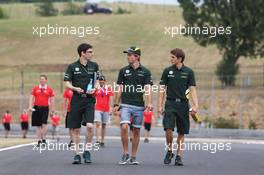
(72,9)
(3,14)
(244,18)
(46,8)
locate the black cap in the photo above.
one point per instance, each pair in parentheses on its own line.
(102,78)
(133,50)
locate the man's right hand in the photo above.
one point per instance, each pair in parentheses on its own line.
(31,109)
(78,90)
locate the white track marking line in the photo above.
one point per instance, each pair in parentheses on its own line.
(16,146)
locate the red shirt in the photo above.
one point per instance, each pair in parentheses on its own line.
(7,118)
(23,118)
(68,95)
(42,95)
(55,120)
(102,96)
(148,116)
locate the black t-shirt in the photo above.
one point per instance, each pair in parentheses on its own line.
(133,81)
(177,81)
(81,75)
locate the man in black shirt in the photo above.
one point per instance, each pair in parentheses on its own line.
(134,81)
(176,80)
(81,77)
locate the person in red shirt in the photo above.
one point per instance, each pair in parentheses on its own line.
(55,121)
(147,124)
(102,107)
(40,102)
(67,96)
(6,120)
(24,123)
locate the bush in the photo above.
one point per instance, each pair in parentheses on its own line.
(46,8)
(121,11)
(252,125)
(225,123)
(2,14)
(72,9)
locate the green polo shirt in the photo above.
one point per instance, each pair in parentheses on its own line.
(177,81)
(81,75)
(133,81)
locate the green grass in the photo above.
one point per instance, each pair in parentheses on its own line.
(14,141)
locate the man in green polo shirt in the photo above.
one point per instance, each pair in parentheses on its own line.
(175,81)
(134,81)
(80,77)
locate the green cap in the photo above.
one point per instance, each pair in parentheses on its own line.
(133,50)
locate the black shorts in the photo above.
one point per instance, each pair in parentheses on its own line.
(7,126)
(24,125)
(81,111)
(40,115)
(66,119)
(147,126)
(177,114)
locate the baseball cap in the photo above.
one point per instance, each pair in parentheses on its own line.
(102,78)
(133,50)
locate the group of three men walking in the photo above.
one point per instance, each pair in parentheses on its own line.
(175,80)
(82,75)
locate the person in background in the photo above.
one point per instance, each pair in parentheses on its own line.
(102,107)
(147,124)
(41,101)
(67,96)
(7,119)
(55,122)
(24,123)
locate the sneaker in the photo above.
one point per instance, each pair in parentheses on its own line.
(178,161)
(168,157)
(70,144)
(146,140)
(87,157)
(77,159)
(39,143)
(124,160)
(102,144)
(133,161)
(97,143)
(43,143)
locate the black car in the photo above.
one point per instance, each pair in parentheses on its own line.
(93,8)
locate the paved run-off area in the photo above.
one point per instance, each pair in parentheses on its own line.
(242,159)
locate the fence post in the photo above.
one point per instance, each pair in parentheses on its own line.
(240,104)
(61,81)
(21,91)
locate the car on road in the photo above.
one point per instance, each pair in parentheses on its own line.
(91,8)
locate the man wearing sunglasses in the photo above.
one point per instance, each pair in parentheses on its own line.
(80,77)
(175,81)
(134,81)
